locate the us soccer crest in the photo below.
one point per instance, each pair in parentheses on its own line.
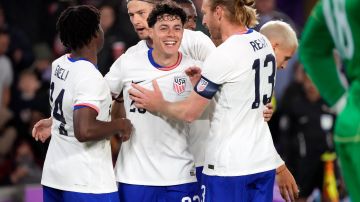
(201,85)
(179,84)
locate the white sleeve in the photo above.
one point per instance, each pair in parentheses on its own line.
(114,77)
(279,160)
(218,68)
(90,91)
(196,44)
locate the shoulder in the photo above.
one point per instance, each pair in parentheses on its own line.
(189,60)
(191,33)
(196,37)
(141,45)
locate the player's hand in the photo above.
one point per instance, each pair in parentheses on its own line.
(268,112)
(287,185)
(42,130)
(147,99)
(194,73)
(126,128)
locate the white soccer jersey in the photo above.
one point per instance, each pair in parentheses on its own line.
(194,44)
(157,152)
(71,165)
(198,46)
(240,142)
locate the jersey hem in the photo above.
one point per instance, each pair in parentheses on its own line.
(206,171)
(147,183)
(97,190)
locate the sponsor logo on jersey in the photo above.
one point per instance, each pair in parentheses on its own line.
(201,85)
(179,84)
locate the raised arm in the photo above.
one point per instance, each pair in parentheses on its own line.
(187,110)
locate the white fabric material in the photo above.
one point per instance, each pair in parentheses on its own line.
(157,152)
(239,142)
(71,165)
(198,46)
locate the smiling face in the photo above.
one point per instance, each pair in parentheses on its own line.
(138,12)
(167,34)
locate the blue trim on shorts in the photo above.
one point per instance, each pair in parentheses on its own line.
(56,195)
(247,188)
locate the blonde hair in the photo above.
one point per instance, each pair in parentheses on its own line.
(280,32)
(239,11)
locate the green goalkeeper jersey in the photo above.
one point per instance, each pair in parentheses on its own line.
(335,24)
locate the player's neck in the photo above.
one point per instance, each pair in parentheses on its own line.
(85,53)
(165,60)
(229,29)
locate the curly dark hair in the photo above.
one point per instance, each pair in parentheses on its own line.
(77,25)
(168,10)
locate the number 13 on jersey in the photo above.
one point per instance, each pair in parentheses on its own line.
(258,66)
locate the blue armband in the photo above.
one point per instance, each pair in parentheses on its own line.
(206,88)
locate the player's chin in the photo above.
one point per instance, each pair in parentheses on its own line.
(171,50)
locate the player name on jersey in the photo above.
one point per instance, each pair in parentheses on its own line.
(258,44)
(61,73)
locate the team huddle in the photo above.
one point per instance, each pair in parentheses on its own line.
(191,110)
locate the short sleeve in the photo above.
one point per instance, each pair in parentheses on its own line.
(196,45)
(114,77)
(91,90)
(217,68)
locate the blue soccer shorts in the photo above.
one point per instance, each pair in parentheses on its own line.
(56,195)
(248,188)
(177,193)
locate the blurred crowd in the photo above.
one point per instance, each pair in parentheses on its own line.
(302,124)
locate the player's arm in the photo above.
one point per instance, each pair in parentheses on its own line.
(118,111)
(118,108)
(88,128)
(316,53)
(187,110)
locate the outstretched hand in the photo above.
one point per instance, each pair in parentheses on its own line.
(147,99)
(42,130)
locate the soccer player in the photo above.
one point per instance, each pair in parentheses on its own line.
(283,41)
(240,153)
(78,165)
(191,13)
(156,164)
(335,25)
(194,44)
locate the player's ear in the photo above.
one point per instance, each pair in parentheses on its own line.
(219,12)
(275,45)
